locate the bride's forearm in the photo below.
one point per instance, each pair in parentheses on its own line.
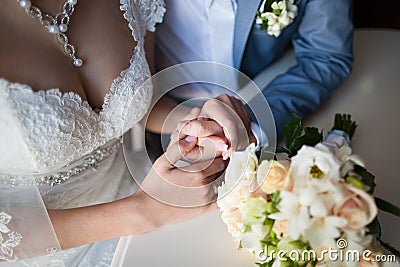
(139,212)
(79,226)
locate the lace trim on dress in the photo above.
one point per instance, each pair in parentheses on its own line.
(142,15)
(54,257)
(131,14)
(56,125)
(8,244)
(155,14)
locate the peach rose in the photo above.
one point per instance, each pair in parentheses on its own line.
(357,207)
(232,219)
(274,175)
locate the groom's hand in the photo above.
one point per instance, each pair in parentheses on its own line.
(224,116)
(207,147)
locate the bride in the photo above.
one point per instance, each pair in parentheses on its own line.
(71,83)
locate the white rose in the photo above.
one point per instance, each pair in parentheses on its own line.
(242,165)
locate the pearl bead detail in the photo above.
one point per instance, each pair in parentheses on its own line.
(78,62)
(63,28)
(25,3)
(56,24)
(53,29)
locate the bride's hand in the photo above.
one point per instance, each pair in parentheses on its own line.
(207,147)
(226,117)
(170,194)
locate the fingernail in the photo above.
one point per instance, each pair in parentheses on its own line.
(221,146)
(227,154)
(190,138)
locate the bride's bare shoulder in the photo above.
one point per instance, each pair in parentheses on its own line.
(30,54)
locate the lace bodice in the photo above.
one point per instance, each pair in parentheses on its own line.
(51,129)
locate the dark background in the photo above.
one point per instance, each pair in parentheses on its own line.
(376,14)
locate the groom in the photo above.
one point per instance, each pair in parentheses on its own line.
(226,31)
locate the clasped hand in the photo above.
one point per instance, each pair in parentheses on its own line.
(173,192)
(203,141)
(221,126)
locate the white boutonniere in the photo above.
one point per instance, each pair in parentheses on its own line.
(274,15)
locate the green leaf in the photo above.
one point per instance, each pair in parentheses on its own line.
(387,207)
(265,264)
(294,140)
(276,12)
(392,249)
(375,228)
(268,4)
(258,154)
(266,153)
(281,149)
(292,130)
(311,137)
(264,26)
(367,178)
(275,198)
(343,122)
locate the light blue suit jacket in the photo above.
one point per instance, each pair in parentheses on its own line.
(321,35)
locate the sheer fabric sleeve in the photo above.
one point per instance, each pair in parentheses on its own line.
(27,237)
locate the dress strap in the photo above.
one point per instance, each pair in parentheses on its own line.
(142,15)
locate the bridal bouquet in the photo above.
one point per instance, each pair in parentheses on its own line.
(313,208)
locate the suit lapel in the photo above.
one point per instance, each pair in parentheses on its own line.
(246,13)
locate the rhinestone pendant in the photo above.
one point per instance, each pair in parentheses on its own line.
(56,25)
(77,62)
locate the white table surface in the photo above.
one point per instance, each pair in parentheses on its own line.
(371,95)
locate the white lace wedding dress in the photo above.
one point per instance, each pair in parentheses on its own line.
(78,149)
